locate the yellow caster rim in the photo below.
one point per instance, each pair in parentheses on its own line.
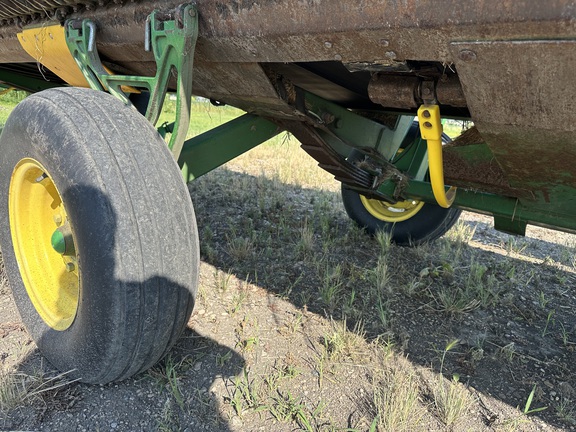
(43,244)
(387,212)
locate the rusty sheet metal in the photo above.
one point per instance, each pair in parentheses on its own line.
(520,95)
(20,9)
(296,31)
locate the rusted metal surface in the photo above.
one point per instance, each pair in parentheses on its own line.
(394,91)
(449,91)
(397,91)
(520,95)
(379,31)
(375,32)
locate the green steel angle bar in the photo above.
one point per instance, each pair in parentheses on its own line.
(355,130)
(30,84)
(217,146)
(173,43)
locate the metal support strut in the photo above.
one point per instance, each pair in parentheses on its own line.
(431,131)
(172,38)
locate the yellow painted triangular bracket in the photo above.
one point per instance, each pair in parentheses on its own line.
(431,130)
(47,45)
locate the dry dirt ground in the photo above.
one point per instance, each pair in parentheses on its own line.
(304,323)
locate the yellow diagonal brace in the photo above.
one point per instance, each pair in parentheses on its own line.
(431,130)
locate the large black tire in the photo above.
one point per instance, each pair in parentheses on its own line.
(426,223)
(135,266)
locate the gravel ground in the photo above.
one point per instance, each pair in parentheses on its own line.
(265,351)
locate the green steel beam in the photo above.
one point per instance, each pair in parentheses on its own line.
(551,202)
(211,149)
(347,129)
(23,82)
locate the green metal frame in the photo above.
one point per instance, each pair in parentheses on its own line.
(26,83)
(550,205)
(211,149)
(172,40)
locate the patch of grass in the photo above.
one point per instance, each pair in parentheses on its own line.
(342,344)
(169,373)
(287,408)
(397,401)
(472,288)
(244,394)
(331,286)
(18,388)
(451,400)
(305,244)
(240,248)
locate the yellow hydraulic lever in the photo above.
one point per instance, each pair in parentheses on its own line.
(431,130)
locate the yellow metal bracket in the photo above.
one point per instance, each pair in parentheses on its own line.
(47,45)
(431,130)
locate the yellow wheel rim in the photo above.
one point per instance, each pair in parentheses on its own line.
(387,212)
(36,212)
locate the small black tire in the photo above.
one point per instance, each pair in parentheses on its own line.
(133,233)
(426,223)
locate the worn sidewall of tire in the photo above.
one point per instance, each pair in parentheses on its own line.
(110,172)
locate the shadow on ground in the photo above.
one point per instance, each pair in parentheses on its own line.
(288,239)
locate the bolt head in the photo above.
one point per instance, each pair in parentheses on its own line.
(467,55)
(57,219)
(328,44)
(70,267)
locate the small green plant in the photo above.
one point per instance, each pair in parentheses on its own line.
(396,400)
(528,405)
(331,287)
(508,352)
(240,248)
(222,280)
(549,319)
(542,300)
(286,408)
(383,309)
(566,410)
(382,276)
(237,301)
(451,400)
(342,344)
(305,244)
(168,375)
(222,359)
(244,394)
(384,239)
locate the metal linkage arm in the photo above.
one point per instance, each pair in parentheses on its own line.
(172,38)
